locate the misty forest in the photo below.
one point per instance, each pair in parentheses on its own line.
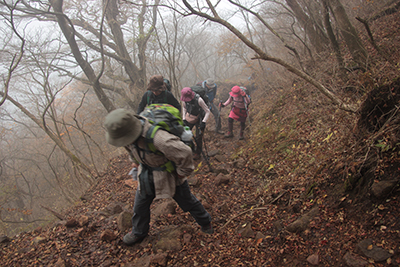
(323,77)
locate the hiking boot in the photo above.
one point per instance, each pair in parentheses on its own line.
(241,137)
(229,135)
(131,239)
(207,229)
(219,132)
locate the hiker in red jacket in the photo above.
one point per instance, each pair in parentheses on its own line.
(240,102)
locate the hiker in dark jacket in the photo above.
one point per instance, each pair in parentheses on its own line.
(195,112)
(157,93)
(124,129)
(211,87)
(239,112)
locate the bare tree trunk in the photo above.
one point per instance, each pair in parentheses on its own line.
(111,11)
(69,34)
(318,41)
(334,42)
(75,160)
(264,56)
(349,33)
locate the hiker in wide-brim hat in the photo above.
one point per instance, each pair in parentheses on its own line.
(195,112)
(157,93)
(125,129)
(240,102)
(156,83)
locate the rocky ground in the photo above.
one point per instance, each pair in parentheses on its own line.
(253,226)
(303,189)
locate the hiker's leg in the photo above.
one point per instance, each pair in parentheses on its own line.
(188,202)
(230,128)
(141,214)
(242,127)
(215,112)
(199,141)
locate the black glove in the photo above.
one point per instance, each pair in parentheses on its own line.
(221,105)
(202,126)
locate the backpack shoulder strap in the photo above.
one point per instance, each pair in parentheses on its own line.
(148,97)
(151,132)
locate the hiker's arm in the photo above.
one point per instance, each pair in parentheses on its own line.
(183,110)
(227,102)
(247,99)
(176,151)
(204,106)
(142,103)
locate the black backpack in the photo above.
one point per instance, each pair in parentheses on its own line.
(167,84)
(150,98)
(202,92)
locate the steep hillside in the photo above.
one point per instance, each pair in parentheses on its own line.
(310,185)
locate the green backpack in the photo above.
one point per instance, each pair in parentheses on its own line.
(162,116)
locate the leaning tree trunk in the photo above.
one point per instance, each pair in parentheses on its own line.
(349,33)
(334,42)
(69,34)
(318,41)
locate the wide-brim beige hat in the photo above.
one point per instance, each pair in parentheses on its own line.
(156,83)
(123,128)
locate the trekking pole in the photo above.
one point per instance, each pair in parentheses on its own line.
(198,133)
(219,115)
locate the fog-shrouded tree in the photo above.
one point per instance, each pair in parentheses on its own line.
(209,12)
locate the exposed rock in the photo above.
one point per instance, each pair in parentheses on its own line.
(159,259)
(108,235)
(168,243)
(246,231)
(170,238)
(124,221)
(313,259)
(213,153)
(371,251)
(222,179)
(381,189)
(165,208)
(240,163)
(222,168)
(354,261)
(220,158)
(259,235)
(302,223)
(83,220)
(193,181)
(114,208)
(72,223)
